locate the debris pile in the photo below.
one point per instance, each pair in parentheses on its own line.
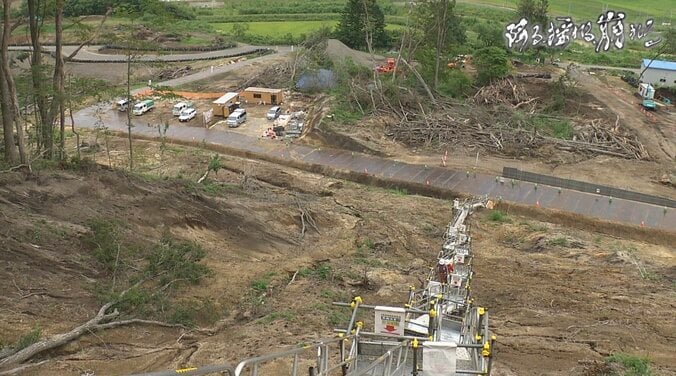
(504,92)
(170,73)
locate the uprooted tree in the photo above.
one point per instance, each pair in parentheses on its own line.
(133,293)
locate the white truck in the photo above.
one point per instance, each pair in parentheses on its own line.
(142,107)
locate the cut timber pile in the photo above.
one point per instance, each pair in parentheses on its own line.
(498,126)
(503,92)
(170,73)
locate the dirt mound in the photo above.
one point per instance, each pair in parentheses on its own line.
(338,52)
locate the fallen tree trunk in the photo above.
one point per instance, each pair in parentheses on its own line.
(59,339)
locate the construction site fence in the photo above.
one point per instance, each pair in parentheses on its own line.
(515,173)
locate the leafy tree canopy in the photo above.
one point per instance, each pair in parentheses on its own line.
(361,19)
(535,11)
(492,63)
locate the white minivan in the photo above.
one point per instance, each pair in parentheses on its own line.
(178,107)
(236,118)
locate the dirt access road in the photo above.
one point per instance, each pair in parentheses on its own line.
(660,139)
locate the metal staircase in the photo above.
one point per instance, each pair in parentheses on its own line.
(438,332)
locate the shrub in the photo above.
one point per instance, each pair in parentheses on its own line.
(176,261)
(634,365)
(455,84)
(498,216)
(104,237)
(491,63)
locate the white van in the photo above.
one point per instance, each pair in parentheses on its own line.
(236,118)
(143,107)
(122,105)
(178,107)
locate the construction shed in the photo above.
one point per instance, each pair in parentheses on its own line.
(659,73)
(224,105)
(261,95)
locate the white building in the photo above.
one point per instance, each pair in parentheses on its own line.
(659,72)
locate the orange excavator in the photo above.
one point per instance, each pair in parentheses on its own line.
(388,67)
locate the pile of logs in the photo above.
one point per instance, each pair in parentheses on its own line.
(503,92)
(167,74)
(499,131)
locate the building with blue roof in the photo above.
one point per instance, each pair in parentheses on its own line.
(659,72)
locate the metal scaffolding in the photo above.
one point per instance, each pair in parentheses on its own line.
(438,332)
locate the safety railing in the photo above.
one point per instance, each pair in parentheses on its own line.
(219,369)
(323,367)
(442,314)
(388,363)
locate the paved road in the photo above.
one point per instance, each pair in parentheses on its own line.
(617,210)
(90,54)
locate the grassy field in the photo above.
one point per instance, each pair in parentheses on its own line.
(583,10)
(295,28)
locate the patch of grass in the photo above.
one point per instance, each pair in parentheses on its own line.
(274,29)
(275,316)
(553,127)
(262,284)
(346,115)
(104,238)
(498,216)
(398,191)
(534,227)
(373,262)
(559,241)
(428,228)
(28,339)
(184,315)
(321,272)
(633,365)
(327,294)
(368,244)
(320,307)
(339,317)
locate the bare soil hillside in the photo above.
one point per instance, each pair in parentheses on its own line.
(559,298)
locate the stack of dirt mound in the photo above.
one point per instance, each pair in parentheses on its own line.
(338,51)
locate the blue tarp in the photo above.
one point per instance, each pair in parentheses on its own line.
(320,79)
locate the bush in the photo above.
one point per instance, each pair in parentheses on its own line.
(455,84)
(176,261)
(104,237)
(184,315)
(498,216)
(634,365)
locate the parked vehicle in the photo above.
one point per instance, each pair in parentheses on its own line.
(142,107)
(236,118)
(122,105)
(274,113)
(178,108)
(187,114)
